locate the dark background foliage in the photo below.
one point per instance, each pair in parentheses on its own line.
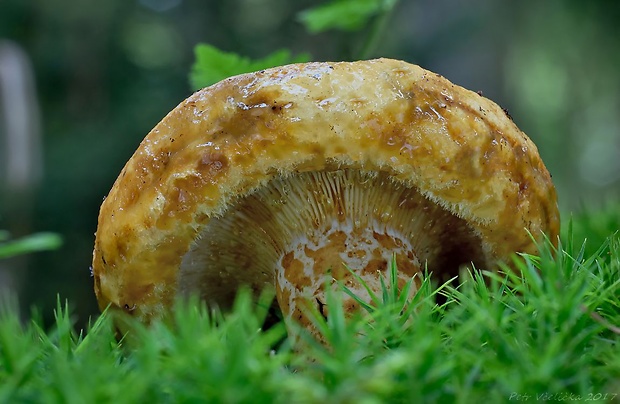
(106,72)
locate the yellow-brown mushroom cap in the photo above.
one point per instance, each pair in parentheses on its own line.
(456,148)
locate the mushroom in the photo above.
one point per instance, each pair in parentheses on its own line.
(275,179)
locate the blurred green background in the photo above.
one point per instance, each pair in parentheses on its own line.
(105,72)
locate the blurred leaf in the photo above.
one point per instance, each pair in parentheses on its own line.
(213,65)
(34,242)
(346,15)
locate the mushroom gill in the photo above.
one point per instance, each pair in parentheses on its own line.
(297,230)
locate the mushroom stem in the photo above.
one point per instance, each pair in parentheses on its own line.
(321,259)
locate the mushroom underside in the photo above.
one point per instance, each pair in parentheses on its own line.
(297,230)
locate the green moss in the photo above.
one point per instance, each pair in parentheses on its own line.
(548,332)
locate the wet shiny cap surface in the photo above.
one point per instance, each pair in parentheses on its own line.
(445,150)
